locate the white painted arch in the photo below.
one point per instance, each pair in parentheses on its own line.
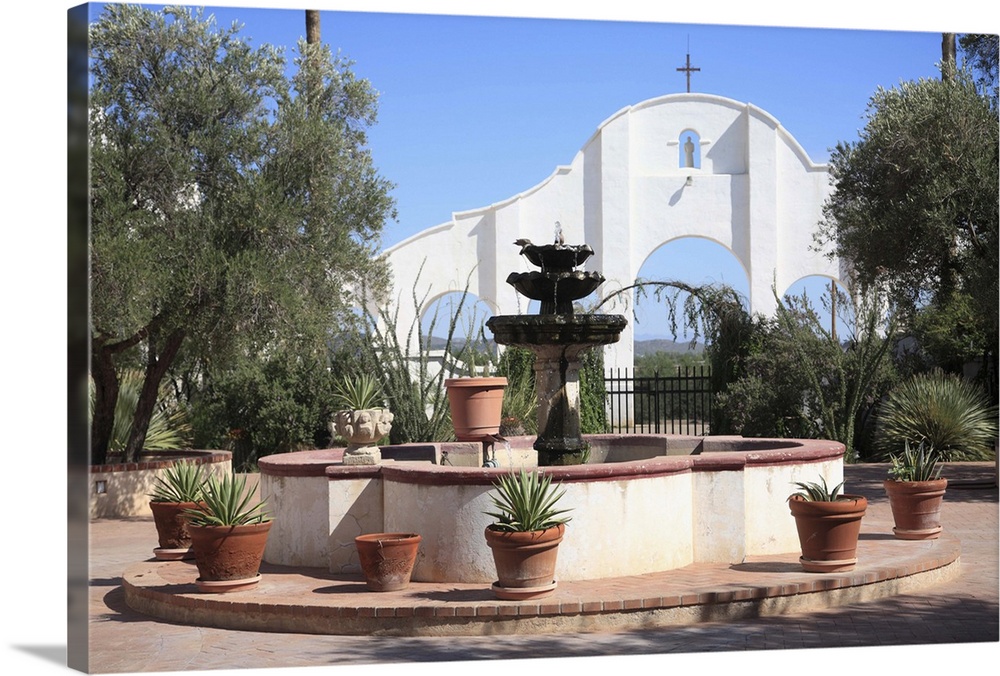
(626,192)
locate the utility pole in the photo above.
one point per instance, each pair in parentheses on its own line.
(948,51)
(312,26)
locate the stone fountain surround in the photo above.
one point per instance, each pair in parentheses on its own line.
(644,504)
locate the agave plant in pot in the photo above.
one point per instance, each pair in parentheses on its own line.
(228,535)
(916,491)
(828,524)
(525,535)
(362,419)
(176,491)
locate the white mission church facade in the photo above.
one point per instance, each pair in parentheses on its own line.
(676,166)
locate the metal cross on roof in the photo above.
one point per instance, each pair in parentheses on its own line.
(687,69)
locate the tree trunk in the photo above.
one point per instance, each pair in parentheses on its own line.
(102,369)
(156,369)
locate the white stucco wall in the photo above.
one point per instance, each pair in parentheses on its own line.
(625,193)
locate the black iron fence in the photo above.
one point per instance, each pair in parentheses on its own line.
(659,404)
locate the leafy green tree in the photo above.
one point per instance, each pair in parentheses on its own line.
(982,51)
(915,204)
(231,204)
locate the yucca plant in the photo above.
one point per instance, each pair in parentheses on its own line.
(169,428)
(813,491)
(947,413)
(358,393)
(181,482)
(226,501)
(918,464)
(526,502)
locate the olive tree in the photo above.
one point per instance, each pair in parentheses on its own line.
(231,203)
(915,208)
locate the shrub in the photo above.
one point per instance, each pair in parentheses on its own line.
(264,406)
(949,414)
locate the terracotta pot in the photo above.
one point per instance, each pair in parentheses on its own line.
(916,507)
(387,559)
(228,554)
(525,560)
(171,529)
(475,405)
(828,532)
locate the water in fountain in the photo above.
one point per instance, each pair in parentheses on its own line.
(558,337)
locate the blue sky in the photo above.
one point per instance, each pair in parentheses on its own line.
(475,109)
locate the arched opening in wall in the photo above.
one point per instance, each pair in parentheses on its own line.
(689,150)
(694,261)
(827,299)
(453,327)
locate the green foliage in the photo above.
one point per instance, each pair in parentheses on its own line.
(181,482)
(818,491)
(915,465)
(915,205)
(593,394)
(520,402)
(949,414)
(411,380)
(948,332)
(227,502)
(169,427)
(981,51)
(668,363)
(799,380)
(358,393)
(264,406)
(231,204)
(526,502)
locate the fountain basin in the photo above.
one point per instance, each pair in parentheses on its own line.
(584,330)
(652,503)
(557,257)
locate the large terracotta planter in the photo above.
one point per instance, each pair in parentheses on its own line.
(228,557)
(387,559)
(916,507)
(172,530)
(828,532)
(475,405)
(525,562)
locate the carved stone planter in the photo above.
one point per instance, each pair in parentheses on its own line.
(362,429)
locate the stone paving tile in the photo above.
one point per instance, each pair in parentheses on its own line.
(962,610)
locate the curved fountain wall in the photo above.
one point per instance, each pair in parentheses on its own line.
(648,503)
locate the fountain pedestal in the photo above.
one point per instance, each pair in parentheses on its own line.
(558,337)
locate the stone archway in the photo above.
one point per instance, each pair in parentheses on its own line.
(754,190)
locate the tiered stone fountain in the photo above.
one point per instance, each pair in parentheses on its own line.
(558,337)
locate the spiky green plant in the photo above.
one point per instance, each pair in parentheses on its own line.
(169,428)
(918,464)
(181,482)
(226,501)
(526,502)
(950,414)
(813,491)
(358,393)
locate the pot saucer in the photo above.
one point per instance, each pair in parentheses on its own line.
(223,586)
(522,593)
(163,554)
